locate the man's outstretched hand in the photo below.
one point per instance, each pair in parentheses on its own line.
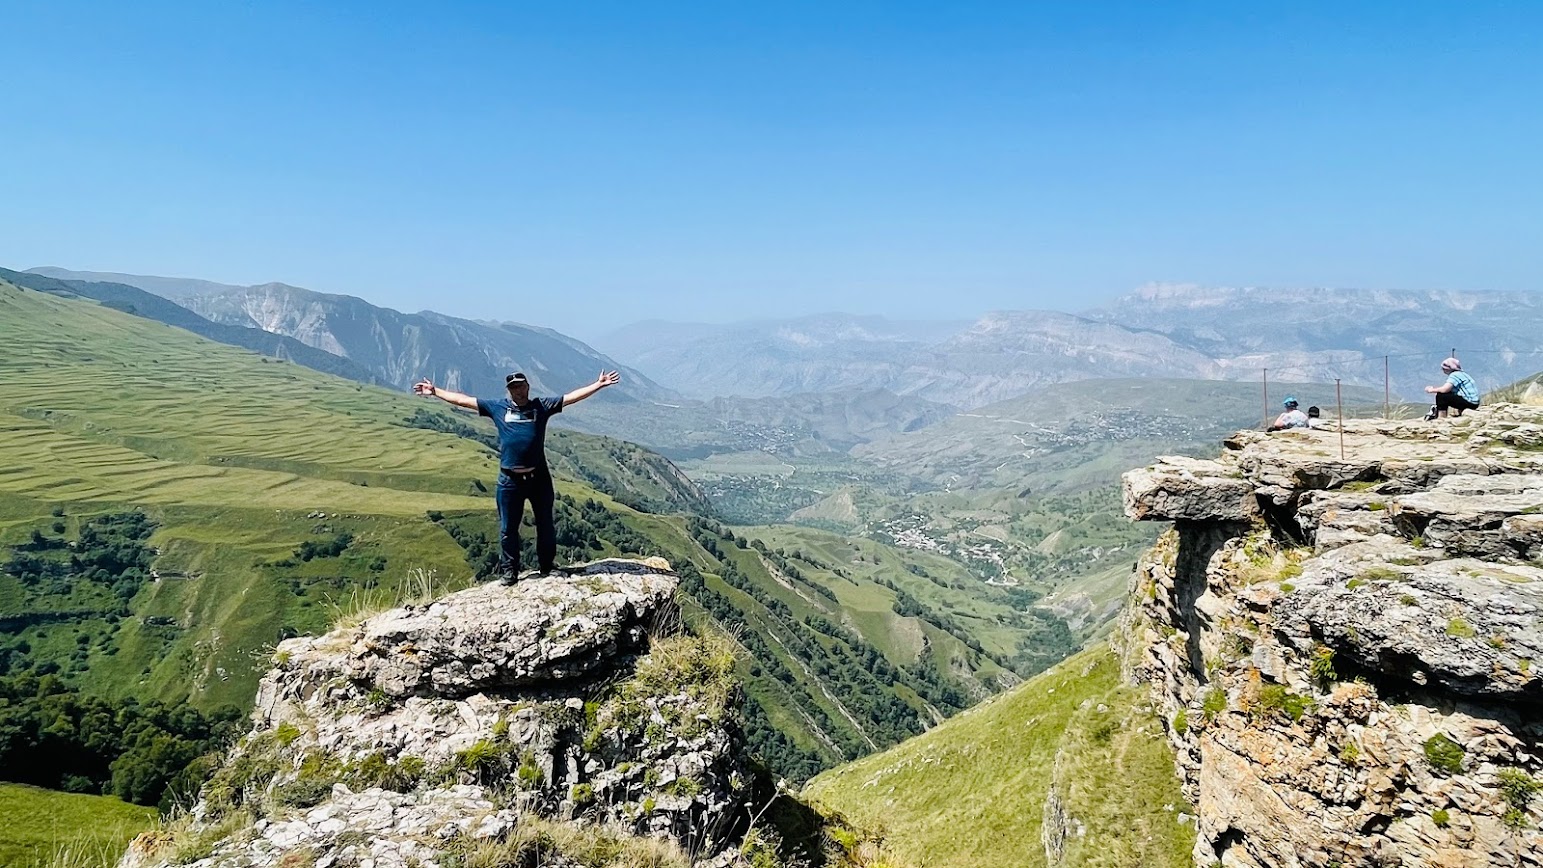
(607,378)
(423,387)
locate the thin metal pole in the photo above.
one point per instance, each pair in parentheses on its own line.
(1266,397)
(1387,392)
(1339,399)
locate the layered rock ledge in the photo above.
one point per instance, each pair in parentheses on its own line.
(1345,646)
(427,733)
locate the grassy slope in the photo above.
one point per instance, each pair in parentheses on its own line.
(971,792)
(240,459)
(38,825)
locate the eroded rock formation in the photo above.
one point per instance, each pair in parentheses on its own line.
(1345,648)
(426,732)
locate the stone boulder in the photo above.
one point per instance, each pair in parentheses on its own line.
(1178,488)
(552,710)
(486,638)
(1468,627)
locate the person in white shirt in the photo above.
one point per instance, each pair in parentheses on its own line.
(1291,418)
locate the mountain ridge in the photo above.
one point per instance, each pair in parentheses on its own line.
(167,287)
(138,302)
(1224,333)
(1171,330)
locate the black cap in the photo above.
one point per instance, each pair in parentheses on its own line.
(514,378)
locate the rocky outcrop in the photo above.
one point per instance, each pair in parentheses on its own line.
(424,733)
(1343,644)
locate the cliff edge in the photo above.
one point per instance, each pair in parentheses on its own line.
(557,722)
(1345,648)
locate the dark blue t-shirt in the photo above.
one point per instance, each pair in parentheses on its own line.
(521,431)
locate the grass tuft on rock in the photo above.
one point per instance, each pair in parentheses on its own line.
(1321,667)
(1518,789)
(1444,755)
(1457,628)
(543,842)
(1279,699)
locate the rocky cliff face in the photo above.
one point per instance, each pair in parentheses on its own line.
(491,720)
(399,348)
(1345,649)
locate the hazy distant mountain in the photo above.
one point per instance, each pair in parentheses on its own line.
(838,420)
(999,356)
(174,288)
(1159,331)
(402,347)
(1315,334)
(817,353)
(1006,354)
(396,348)
(1085,434)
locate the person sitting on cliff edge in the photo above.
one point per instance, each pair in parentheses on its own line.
(1291,418)
(1458,393)
(522,470)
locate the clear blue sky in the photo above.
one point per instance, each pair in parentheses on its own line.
(584,165)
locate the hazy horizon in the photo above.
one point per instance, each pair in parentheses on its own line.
(593,333)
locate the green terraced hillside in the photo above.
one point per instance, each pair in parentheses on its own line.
(277,498)
(972,792)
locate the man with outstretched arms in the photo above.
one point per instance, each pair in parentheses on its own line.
(522,470)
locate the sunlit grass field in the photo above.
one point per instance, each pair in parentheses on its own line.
(970,793)
(41,828)
(238,459)
(110,388)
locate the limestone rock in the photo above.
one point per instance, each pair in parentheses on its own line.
(1355,658)
(427,729)
(1187,488)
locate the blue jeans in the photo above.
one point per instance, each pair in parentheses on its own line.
(512,493)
